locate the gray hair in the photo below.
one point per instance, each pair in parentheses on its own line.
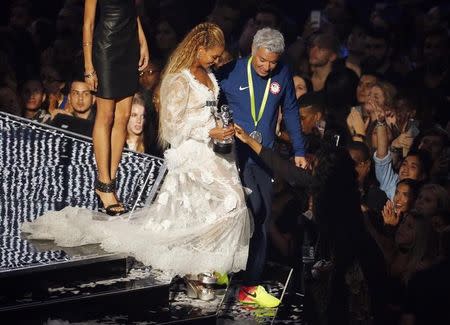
(269,39)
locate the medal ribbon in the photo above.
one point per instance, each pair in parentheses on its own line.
(252,95)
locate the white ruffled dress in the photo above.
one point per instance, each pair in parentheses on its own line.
(199,221)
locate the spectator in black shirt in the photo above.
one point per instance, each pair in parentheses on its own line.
(372,198)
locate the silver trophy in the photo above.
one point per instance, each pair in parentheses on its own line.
(224,117)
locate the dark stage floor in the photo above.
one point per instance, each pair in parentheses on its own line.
(43,168)
(224,309)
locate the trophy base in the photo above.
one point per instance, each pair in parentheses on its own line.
(222,148)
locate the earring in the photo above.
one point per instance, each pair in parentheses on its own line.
(198,55)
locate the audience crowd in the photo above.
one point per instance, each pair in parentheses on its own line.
(370,77)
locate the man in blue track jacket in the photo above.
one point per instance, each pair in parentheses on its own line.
(254,88)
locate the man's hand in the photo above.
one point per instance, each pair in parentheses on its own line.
(300,162)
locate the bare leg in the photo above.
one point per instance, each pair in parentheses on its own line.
(101,138)
(119,132)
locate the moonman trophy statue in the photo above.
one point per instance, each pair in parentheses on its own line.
(224,117)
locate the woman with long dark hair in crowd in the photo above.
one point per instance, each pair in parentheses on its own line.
(406,193)
(340,95)
(343,238)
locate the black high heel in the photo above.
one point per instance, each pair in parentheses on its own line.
(111,210)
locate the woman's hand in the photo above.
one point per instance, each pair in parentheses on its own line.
(241,134)
(220,133)
(245,138)
(389,216)
(379,112)
(391,119)
(356,124)
(90,77)
(404,140)
(144,57)
(144,54)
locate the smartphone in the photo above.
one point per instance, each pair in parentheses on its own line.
(358,109)
(412,127)
(320,126)
(315,18)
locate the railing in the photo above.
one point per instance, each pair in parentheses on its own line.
(44,168)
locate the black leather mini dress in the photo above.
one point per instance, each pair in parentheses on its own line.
(116,49)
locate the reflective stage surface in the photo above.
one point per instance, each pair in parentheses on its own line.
(41,169)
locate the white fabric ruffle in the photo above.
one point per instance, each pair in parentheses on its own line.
(199,221)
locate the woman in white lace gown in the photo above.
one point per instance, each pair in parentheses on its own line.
(199,221)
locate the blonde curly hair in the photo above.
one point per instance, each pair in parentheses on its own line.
(206,35)
(389,92)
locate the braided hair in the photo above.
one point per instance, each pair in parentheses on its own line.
(207,35)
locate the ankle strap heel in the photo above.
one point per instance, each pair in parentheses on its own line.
(105,187)
(113,209)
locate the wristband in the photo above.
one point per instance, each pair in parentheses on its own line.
(381,123)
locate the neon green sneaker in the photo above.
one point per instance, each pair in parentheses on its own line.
(257,295)
(222,279)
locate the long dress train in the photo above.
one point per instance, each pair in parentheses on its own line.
(199,221)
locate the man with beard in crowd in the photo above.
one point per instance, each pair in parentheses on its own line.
(323,52)
(377,56)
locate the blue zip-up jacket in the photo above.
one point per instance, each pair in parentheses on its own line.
(233,82)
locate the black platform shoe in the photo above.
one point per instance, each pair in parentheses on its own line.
(116,209)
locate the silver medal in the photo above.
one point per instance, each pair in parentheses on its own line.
(257,136)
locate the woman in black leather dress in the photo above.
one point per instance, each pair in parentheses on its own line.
(114,54)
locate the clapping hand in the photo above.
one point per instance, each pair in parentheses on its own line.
(379,111)
(390,217)
(356,123)
(391,119)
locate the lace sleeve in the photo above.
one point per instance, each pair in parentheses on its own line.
(176,126)
(174,94)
